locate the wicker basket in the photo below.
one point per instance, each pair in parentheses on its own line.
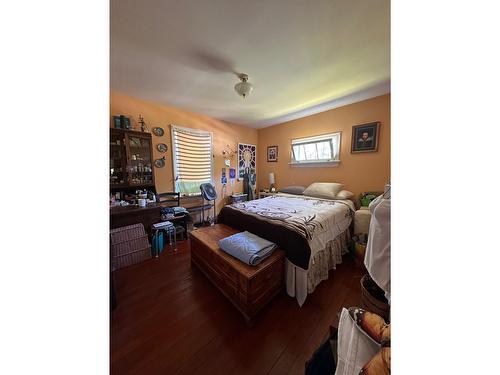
(129,245)
(127,233)
(359,255)
(135,257)
(372,298)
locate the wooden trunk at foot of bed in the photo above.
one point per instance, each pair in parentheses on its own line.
(249,288)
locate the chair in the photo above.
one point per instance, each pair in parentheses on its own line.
(170,200)
(363,215)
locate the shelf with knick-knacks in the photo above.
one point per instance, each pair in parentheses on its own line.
(131,159)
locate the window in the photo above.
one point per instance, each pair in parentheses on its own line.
(317,150)
(192,158)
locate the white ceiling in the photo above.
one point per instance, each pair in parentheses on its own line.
(303,57)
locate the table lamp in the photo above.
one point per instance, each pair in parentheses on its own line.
(271,182)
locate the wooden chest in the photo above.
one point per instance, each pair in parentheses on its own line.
(249,288)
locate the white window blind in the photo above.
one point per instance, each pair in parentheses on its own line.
(192,159)
(318,149)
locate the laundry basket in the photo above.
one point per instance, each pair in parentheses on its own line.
(129,245)
(359,245)
(373,299)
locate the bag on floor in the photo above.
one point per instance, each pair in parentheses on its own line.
(157,243)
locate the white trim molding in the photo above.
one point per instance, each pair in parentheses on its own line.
(333,163)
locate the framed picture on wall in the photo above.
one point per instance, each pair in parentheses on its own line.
(247,159)
(365,137)
(272,153)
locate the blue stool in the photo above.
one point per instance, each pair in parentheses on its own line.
(158,229)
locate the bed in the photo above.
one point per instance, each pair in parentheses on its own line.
(313,232)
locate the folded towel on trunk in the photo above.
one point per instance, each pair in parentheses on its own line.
(247,247)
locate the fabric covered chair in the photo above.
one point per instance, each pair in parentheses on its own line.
(362,216)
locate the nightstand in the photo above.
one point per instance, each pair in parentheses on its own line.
(263,194)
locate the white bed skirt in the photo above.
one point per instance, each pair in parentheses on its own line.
(299,282)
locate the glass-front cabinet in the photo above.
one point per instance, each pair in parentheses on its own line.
(131,159)
(117,159)
(140,168)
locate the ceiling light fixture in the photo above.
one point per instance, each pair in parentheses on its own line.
(243,88)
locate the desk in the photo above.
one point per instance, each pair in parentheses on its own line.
(149,215)
(132,214)
(198,209)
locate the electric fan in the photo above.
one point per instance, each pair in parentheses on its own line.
(209,194)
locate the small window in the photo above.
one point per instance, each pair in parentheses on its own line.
(319,149)
(192,159)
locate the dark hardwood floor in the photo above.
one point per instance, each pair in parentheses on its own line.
(171,320)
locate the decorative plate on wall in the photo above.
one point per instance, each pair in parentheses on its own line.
(158,131)
(160,163)
(162,147)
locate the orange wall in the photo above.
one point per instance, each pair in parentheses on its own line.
(159,115)
(358,172)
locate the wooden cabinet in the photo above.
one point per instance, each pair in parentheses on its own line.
(130,160)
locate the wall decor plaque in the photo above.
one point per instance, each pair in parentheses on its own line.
(158,131)
(160,163)
(162,147)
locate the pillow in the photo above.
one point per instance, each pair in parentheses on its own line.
(327,190)
(297,190)
(344,194)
